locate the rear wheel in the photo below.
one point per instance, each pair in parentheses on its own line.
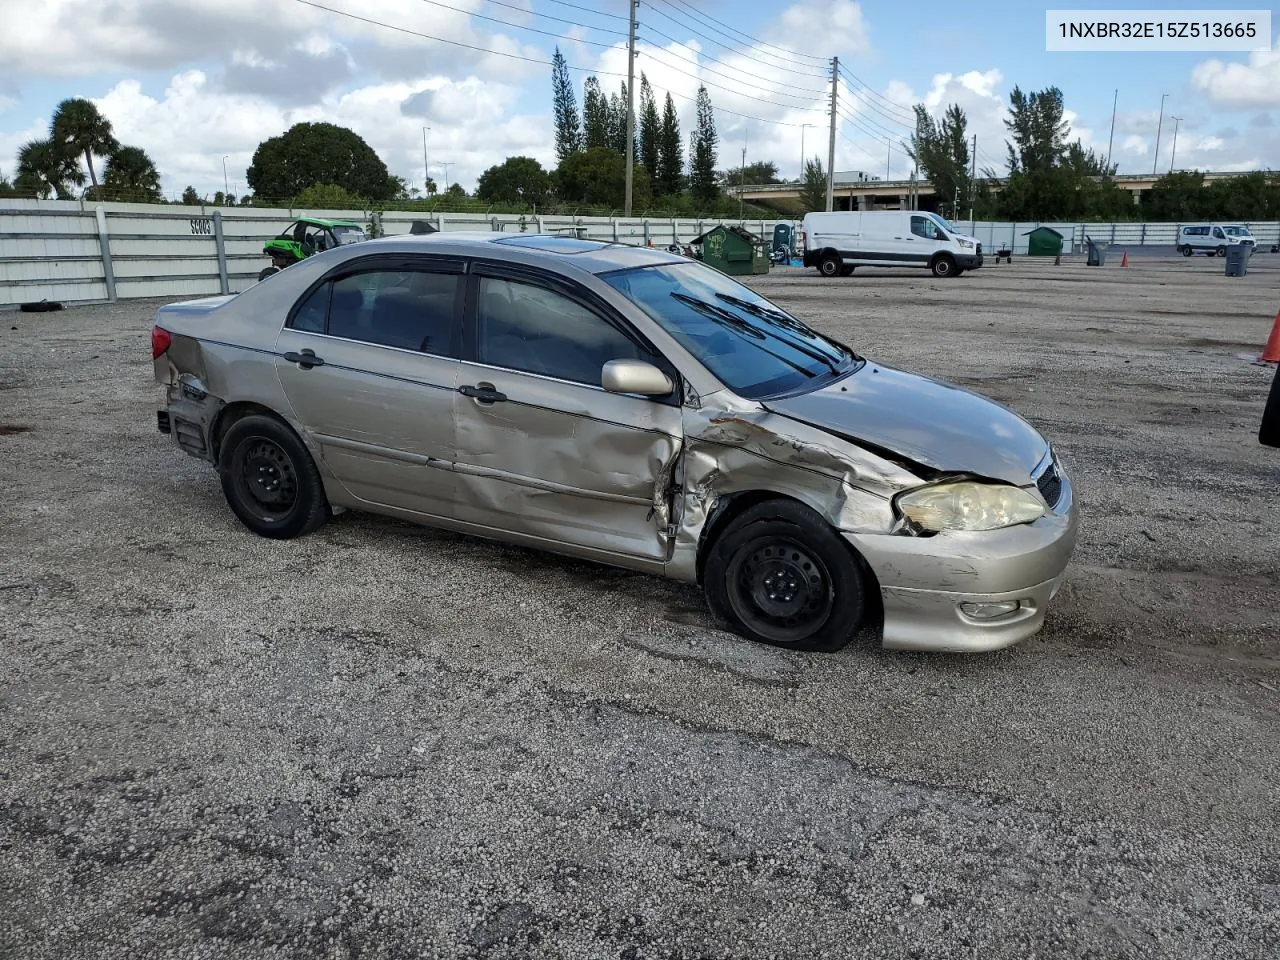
(830,265)
(944,266)
(269,479)
(1186,251)
(779,574)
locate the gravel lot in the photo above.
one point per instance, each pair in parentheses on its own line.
(387,741)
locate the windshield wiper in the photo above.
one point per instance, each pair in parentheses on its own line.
(737,325)
(784,321)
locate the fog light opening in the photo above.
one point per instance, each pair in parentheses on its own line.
(996,610)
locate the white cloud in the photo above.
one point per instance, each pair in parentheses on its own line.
(1252,84)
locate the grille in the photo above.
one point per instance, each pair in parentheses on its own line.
(1049,484)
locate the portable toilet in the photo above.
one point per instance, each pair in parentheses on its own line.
(734,251)
(1044,242)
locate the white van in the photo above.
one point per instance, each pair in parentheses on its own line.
(1213,239)
(835,243)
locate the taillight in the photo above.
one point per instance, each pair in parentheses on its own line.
(160,341)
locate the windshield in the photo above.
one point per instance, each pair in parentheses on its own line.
(942,222)
(347,235)
(1238,231)
(753,347)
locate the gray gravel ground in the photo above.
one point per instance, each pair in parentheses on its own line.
(386,741)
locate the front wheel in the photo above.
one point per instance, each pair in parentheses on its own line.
(266,272)
(1222,251)
(779,574)
(269,479)
(944,266)
(830,265)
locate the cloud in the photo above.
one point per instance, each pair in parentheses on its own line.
(1252,84)
(1261,120)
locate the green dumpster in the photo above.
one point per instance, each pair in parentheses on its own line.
(1044,242)
(734,251)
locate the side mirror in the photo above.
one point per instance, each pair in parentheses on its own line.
(635,376)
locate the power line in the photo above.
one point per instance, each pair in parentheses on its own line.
(860,97)
(598,13)
(455,43)
(715,25)
(893,104)
(799,90)
(868,123)
(733,48)
(716,86)
(518,26)
(544,16)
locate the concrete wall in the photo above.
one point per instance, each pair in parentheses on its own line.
(69,251)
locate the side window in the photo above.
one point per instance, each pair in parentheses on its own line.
(530,328)
(1217,233)
(311,316)
(314,240)
(409,309)
(923,227)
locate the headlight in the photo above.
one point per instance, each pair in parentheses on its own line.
(966,505)
(965,244)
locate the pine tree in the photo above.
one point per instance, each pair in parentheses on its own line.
(568,129)
(670,152)
(813,191)
(650,130)
(618,121)
(595,114)
(702,152)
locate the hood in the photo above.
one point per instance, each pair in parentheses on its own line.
(933,423)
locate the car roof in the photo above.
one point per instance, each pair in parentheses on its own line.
(591,256)
(328,222)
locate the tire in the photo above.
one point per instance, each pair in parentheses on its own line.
(266,272)
(269,479)
(39,306)
(846,271)
(1185,251)
(1222,251)
(756,565)
(830,265)
(943,266)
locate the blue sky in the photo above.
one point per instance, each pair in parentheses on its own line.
(193,81)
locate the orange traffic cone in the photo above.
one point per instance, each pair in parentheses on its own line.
(1124,261)
(1271,352)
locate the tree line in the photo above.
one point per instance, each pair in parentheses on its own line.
(1050,178)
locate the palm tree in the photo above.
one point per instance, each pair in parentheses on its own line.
(131,175)
(79,128)
(43,168)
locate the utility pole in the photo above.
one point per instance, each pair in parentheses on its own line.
(742,180)
(1160,126)
(447,165)
(973,177)
(1174,154)
(831,143)
(226,190)
(1114,100)
(426,167)
(887,157)
(634,6)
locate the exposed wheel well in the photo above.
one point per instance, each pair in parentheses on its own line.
(735,504)
(941,255)
(228,416)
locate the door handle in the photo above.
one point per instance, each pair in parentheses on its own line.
(306,359)
(484,393)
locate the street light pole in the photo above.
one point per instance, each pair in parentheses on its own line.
(226,190)
(1110,140)
(426,167)
(447,164)
(1173,155)
(1160,126)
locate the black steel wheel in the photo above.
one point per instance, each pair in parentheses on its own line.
(779,574)
(269,479)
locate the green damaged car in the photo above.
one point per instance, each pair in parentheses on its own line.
(308,235)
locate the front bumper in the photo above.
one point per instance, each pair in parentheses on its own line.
(926,582)
(969,261)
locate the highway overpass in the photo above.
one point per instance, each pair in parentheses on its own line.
(895,194)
